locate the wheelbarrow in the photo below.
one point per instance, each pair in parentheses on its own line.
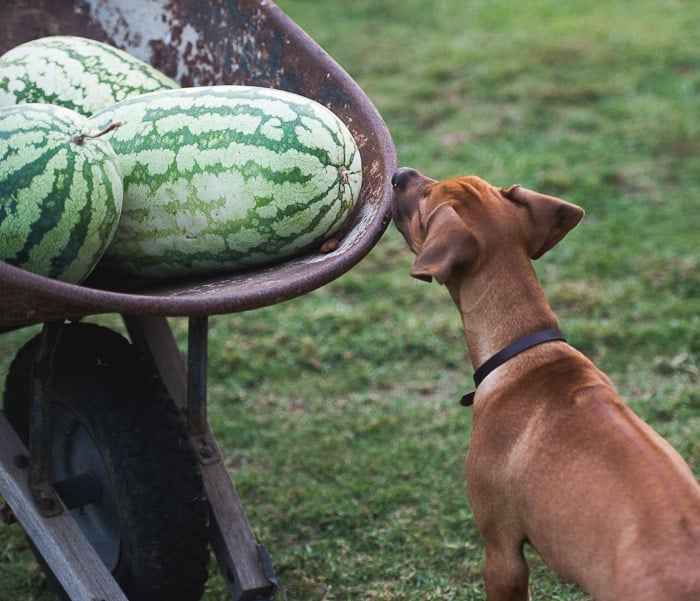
(107,458)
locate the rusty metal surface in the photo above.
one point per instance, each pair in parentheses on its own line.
(206,43)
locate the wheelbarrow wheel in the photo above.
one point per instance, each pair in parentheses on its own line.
(113,420)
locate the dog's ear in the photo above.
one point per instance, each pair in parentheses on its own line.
(448,245)
(550,218)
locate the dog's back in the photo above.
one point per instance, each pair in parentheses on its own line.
(611,506)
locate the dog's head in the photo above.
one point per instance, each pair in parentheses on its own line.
(456,224)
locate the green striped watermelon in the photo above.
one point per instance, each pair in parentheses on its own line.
(227,177)
(60,192)
(78,73)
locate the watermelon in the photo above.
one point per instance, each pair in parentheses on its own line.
(227,177)
(78,73)
(60,191)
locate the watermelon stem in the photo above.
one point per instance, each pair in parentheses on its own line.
(80,138)
(344,175)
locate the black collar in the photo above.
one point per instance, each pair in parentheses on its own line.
(507,353)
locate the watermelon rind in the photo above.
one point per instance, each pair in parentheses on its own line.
(60,195)
(227,177)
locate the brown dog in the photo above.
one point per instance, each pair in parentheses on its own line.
(556,459)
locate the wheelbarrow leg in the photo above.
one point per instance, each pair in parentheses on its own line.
(243,561)
(40,426)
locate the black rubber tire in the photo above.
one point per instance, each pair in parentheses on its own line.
(154,515)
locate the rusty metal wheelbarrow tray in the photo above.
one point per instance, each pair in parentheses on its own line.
(206,43)
(248,42)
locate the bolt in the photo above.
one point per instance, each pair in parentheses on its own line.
(21,461)
(47,503)
(206,452)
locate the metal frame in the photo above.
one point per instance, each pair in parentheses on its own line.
(25,485)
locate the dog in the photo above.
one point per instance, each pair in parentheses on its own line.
(556,459)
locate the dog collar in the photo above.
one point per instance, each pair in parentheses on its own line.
(507,353)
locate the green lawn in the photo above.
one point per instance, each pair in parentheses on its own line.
(338,412)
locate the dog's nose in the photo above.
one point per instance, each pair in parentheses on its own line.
(401,177)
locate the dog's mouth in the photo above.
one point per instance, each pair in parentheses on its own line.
(402,215)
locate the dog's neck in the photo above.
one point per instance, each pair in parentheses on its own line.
(497,311)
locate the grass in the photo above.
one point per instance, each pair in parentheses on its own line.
(338,412)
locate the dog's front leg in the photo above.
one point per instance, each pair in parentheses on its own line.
(506,574)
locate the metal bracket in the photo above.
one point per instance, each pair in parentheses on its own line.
(197,355)
(197,361)
(43,493)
